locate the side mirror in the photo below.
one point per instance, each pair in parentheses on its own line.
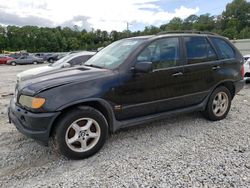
(143,67)
(66,65)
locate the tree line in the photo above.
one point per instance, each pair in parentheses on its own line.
(233,23)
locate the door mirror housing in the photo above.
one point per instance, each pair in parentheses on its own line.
(143,67)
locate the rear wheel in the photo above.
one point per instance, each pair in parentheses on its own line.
(81,133)
(218,104)
(35,63)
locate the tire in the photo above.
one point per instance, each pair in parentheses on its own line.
(13,63)
(74,138)
(35,63)
(219,104)
(50,60)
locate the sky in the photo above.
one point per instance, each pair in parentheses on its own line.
(103,14)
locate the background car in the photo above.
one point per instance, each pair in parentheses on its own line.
(67,61)
(51,57)
(4,59)
(25,59)
(246,57)
(18,55)
(247,67)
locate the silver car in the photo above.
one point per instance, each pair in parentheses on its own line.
(70,60)
(26,59)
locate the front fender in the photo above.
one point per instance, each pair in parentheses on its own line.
(105,104)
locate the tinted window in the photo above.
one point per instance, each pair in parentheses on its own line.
(225,50)
(199,50)
(162,53)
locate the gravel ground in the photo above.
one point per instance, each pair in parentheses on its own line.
(183,151)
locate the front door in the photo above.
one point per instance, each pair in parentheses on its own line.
(157,91)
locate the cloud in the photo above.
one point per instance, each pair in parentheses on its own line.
(106,15)
(13,19)
(80,21)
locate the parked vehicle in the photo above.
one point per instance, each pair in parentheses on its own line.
(4,59)
(40,55)
(25,59)
(66,62)
(246,57)
(51,57)
(130,82)
(18,55)
(247,66)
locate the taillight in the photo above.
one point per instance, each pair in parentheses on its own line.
(242,71)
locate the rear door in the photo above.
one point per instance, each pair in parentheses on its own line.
(200,69)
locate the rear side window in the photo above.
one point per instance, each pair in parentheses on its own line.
(225,50)
(199,50)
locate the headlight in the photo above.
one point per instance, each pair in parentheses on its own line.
(31,102)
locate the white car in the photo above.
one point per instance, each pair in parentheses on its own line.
(70,60)
(247,66)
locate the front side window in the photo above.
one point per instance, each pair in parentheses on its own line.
(198,50)
(163,53)
(225,50)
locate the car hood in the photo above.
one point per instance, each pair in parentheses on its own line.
(33,72)
(60,77)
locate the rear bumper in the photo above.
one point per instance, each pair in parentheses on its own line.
(36,126)
(238,85)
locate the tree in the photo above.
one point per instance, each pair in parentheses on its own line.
(237,14)
(205,22)
(3,39)
(174,24)
(233,23)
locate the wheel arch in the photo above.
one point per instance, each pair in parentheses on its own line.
(229,85)
(99,104)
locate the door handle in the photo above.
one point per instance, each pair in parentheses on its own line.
(177,74)
(216,67)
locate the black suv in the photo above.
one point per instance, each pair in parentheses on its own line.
(130,82)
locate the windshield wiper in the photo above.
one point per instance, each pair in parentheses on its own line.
(95,66)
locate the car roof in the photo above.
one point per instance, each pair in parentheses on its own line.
(82,53)
(177,33)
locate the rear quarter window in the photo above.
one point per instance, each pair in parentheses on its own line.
(225,50)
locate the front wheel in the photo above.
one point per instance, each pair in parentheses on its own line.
(81,133)
(13,63)
(51,61)
(218,104)
(35,63)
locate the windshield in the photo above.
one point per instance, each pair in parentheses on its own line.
(115,54)
(61,61)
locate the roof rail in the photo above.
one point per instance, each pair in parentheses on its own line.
(186,31)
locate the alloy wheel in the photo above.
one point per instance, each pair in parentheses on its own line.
(220,104)
(83,134)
